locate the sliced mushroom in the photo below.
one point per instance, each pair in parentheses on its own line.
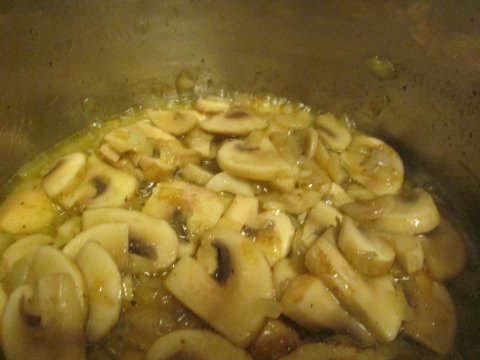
(284,271)
(332,133)
(232,291)
(434,319)
(50,260)
(414,212)
(368,253)
(195,174)
(104,286)
(374,164)
(309,142)
(153,244)
(234,123)
(308,302)
(408,249)
(113,237)
(272,232)
(65,174)
(319,219)
(201,142)
(68,230)
(371,209)
(295,121)
(376,304)
(445,251)
(190,209)
(242,209)
(27,210)
(103,186)
(224,182)
(44,321)
(212,104)
(174,122)
(27,246)
(194,344)
(337,196)
(253,162)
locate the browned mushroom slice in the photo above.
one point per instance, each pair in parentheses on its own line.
(225,299)
(44,321)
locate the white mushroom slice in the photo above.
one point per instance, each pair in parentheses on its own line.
(272,232)
(332,133)
(27,210)
(284,271)
(374,164)
(253,162)
(224,182)
(369,254)
(365,210)
(414,212)
(153,244)
(233,122)
(309,303)
(212,104)
(408,249)
(201,142)
(374,304)
(309,142)
(232,291)
(138,137)
(113,237)
(65,174)
(50,260)
(27,246)
(104,286)
(195,174)
(445,251)
(296,121)
(319,219)
(242,209)
(44,322)
(68,230)
(174,122)
(434,319)
(190,209)
(298,201)
(194,344)
(103,186)
(337,196)
(109,153)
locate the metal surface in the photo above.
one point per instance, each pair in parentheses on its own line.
(56,54)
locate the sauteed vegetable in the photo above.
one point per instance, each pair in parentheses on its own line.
(224,227)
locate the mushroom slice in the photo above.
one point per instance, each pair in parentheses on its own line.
(44,321)
(233,122)
(242,209)
(103,186)
(27,210)
(50,260)
(27,246)
(434,319)
(272,232)
(153,244)
(190,209)
(298,120)
(414,212)
(174,122)
(337,196)
(308,302)
(194,344)
(201,142)
(284,271)
(195,174)
(113,237)
(219,300)
(374,164)
(332,133)
(254,162)
(445,251)
(104,286)
(408,249)
(368,253)
(224,182)
(212,104)
(299,201)
(319,219)
(371,209)
(375,304)
(65,174)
